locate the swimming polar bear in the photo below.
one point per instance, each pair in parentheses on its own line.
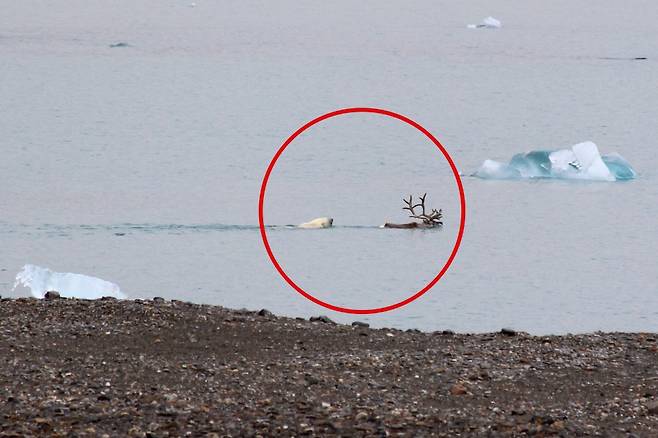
(321,222)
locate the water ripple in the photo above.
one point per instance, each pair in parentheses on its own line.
(58,230)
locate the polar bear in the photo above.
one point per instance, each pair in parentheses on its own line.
(321,222)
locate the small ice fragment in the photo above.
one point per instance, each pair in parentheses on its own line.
(40,280)
(489,23)
(119,44)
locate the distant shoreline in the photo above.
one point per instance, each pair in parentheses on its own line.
(123,367)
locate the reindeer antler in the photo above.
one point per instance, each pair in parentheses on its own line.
(422,203)
(411,207)
(434,218)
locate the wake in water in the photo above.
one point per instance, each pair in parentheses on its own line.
(581,161)
(41,280)
(120,230)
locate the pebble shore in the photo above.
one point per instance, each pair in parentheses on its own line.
(147,368)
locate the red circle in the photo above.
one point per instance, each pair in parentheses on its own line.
(462,218)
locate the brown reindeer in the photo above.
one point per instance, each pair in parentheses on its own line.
(431,220)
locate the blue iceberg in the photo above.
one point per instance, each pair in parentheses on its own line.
(581,161)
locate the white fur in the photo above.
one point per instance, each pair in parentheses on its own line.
(321,222)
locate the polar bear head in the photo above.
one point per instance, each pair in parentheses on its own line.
(321,222)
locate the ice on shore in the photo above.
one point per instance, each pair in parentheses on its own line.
(581,161)
(41,280)
(489,23)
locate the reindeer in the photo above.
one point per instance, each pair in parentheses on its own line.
(428,220)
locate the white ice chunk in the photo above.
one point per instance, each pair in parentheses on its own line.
(582,161)
(489,23)
(41,280)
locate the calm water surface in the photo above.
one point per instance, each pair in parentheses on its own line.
(142,164)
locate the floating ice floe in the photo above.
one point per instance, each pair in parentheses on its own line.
(581,161)
(488,23)
(41,280)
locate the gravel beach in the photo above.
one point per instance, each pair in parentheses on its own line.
(169,368)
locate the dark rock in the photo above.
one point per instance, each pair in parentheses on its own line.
(322,318)
(652,407)
(507,332)
(447,332)
(360,324)
(458,389)
(52,295)
(265,312)
(542,419)
(108,299)
(158,300)
(311,380)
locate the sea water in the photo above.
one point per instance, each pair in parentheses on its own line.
(141,164)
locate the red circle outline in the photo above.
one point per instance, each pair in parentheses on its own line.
(462,218)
